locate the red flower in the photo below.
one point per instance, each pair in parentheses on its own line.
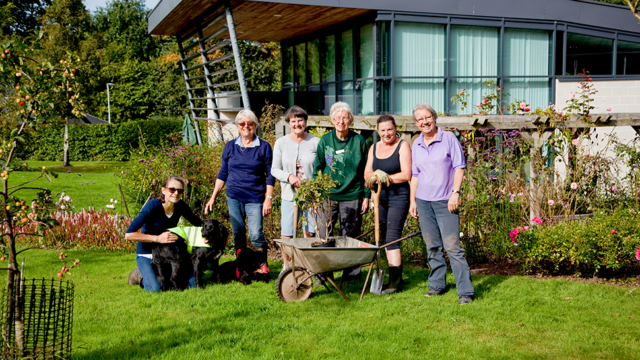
(638,254)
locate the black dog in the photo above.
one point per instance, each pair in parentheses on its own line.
(215,235)
(244,266)
(172,265)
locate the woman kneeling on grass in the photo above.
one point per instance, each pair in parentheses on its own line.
(150,226)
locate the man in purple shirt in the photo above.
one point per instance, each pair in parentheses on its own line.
(436,178)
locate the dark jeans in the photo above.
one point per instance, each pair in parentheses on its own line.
(392,220)
(348,212)
(150,283)
(440,228)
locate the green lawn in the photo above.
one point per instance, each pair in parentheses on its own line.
(94,187)
(512,317)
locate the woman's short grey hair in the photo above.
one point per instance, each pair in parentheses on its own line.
(425,106)
(248,114)
(341,106)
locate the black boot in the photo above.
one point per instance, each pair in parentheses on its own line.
(395,280)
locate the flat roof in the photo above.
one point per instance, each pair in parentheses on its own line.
(268,20)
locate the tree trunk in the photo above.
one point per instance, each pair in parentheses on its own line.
(65,158)
(12,289)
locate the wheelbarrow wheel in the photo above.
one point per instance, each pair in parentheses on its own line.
(286,286)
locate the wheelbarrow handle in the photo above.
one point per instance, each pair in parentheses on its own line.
(404,238)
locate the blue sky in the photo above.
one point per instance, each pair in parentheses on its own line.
(92,5)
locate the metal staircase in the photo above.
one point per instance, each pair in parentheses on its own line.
(205,58)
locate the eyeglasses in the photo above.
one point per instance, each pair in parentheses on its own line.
(430,117)
(180,191)
(246,124)
(345,119)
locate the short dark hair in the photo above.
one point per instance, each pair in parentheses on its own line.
(385,118)
(294,112)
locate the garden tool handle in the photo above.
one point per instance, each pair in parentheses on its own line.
(376,208)
(295,216)
(404,238)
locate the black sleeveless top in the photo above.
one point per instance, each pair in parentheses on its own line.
(394,194)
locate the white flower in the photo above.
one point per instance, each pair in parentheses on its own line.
(115,201)
(574,186)
(66,198)
(110,200)
(109,206)
(62,207)
(461,234)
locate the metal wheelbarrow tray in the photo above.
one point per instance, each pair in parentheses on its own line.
(296,283)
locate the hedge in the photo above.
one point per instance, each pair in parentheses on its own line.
(105,142)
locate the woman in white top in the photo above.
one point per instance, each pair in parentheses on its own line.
(293,159)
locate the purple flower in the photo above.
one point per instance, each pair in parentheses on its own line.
(68,171)
(329,159)
(79,174)
(121,217)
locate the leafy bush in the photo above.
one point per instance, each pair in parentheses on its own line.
(88,229)
(605,244)
(107,142)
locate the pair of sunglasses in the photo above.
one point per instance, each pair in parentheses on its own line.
(246,124)
(180,191)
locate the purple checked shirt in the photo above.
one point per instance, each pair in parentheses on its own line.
(435,165)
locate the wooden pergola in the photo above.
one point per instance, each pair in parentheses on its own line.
(541,124)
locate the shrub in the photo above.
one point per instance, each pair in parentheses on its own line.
(106,142)
(88,229)
(605,244)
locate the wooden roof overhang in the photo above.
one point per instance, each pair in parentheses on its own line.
(254,21)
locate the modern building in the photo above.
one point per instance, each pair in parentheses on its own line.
(384,56)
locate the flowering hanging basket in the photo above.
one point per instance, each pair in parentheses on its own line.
(37,320)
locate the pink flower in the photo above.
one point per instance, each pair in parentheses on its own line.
(587,155)
(613,231)
(638,254)
(523,105)
(479,106)
(526,228)
(608,109)
(613,189)
(468,197)
(550,202)
(563,113)
(537,220)
(527,109)
(484,101)
(513,234)
(571,96)
(574,186)
(575,142)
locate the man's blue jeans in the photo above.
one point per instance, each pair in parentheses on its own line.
(238,210)
(150,282)
(440,228)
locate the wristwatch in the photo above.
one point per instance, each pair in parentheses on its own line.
(456,191)
(270,197)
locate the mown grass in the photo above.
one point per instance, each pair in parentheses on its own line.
(512,317)
(94,187)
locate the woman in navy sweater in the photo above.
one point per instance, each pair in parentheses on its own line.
(151,224)
(246,170)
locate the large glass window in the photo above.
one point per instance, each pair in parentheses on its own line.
(419,51)
(287,66)
(300,64)
(365,52)
(328,55)
(313,61)
(527,53)
(628,58)
(409,92)
(592,54)
(345,62)
(474,52)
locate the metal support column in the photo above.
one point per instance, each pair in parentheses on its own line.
(236,55)
(211,102)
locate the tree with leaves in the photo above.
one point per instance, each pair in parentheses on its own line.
(30,90)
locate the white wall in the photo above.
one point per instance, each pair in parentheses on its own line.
(622,96)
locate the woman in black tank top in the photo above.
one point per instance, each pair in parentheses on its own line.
(392,156)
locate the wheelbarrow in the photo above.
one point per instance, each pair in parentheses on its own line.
(296,282)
